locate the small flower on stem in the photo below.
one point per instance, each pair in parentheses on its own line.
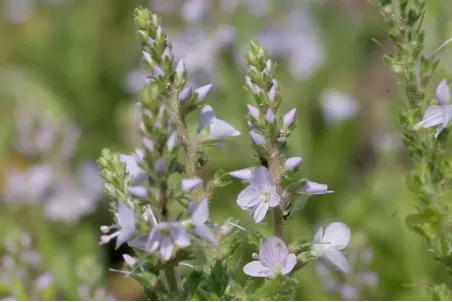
(126,224)
(200,217)
(218,129)
(260,195)
(316,188)
(164,236)
(328,245)
(438,114)
(274,259)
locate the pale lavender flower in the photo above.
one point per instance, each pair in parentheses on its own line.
(164,236)
(368,278)
(190,184)
(186,94)
(338,107)
(203,91)
(328,245)
(348,292)
(253,111)
(148,144)
(243,174)
(132,167)
(44,281)
(260,195)
(218,129)
(270,116)
(438,114)
(316,188)
(30,186)
(257,138)
(161,165)
(126,224)
(289,118)
(293,163)
(194,10)
(139,192)
(200,216)
(274,259)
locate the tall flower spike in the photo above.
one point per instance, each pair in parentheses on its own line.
(274,259)
(328,245)
(438,114)
(260,195)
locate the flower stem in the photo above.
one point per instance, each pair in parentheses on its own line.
(170,274)
(274,164)
(191,165)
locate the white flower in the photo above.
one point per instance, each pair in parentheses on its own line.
(328,245)
(438,114)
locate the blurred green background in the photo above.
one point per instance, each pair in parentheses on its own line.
(81,60)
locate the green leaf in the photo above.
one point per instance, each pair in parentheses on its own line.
(425,223)
(219,278)
(191,283)
(279,289)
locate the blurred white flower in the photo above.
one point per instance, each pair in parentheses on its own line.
(338,107)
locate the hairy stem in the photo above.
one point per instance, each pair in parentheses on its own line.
(274,164)
(191,165)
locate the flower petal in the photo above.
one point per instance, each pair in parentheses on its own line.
(257,138)
(433,116)
(203,91)
(132,168)
(126,216)
(442,93)
(153,242)
(179,235)
(256,269)
(200,212)
(337,234)
(190,184)
(262,178)
(290,264)
(316,188)
(204,232)
(139,192)
(273,253)
(206,117)
(293,163)
(249,197)
(318,235)
(219,129)
(166,248)
(138,242)
(274,200)
(260,211)
(253,111)
(243,174)
(289,118)
(337,259)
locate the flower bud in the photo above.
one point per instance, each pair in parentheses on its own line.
(289,118)
(257,138)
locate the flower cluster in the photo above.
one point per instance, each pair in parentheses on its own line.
(158,178)
(49,181)
(22,271)
(148,185)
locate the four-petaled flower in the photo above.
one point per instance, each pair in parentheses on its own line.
(274,259)
(259,195)
(328,245)
(164,236)
(200,216)
(438,114)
